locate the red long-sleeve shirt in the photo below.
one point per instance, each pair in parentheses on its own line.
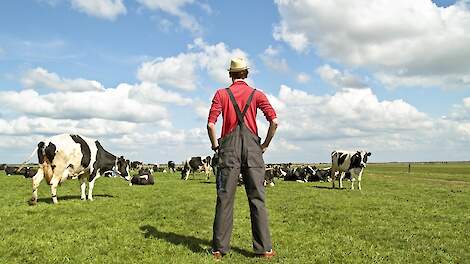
(241,91)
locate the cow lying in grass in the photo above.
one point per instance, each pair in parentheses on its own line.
(299,174)
(144,177)
(27,172)
(65,155)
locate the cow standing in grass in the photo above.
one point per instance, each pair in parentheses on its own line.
(65,155)
(353,162)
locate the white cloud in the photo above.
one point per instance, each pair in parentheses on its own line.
(52,3)
(39,77)
(170,71)
(176,8)
(151,93)
(339,79)
(46,126)
(302,77)
(202,110)
(349,113)
(182,71)
(272,60)
(111,104)
(215,58)
(461,112)
(406,43)
(107,9)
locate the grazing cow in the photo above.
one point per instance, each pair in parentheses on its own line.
(66,155)
(195,164)
(171,166)
(353,162)
(145,177)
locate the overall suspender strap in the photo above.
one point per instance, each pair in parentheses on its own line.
(240,114)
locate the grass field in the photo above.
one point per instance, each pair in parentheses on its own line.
(398,217)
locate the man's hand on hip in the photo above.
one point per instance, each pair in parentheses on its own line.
(264,147)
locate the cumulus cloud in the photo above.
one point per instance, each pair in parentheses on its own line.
(41,78)
(178,72)
(405,43)
(150,93)
(202,110)
(111,104)
(272,60)
(302,77)
(339,79)
(349,113)
(176,8)
(47,126)
(107,9)
(461,112)
(182,71)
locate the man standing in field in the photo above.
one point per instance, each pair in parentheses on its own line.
(240,151)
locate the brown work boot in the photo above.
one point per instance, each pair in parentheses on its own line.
(217,255)
(267,255)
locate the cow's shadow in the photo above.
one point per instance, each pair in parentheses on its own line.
(328,188)
(71,197)
(196,245)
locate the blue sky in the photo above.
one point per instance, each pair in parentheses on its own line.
(392,78)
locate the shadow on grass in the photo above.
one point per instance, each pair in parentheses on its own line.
(192,243)
(70,197)
(328,187)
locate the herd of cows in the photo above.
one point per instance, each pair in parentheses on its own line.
(73,156)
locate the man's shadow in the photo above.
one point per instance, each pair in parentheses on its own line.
(194,244)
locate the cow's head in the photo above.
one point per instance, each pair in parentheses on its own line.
(122,167)
(363,157)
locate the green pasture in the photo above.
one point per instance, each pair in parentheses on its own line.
(398,217)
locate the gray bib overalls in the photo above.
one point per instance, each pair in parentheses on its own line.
(240,152)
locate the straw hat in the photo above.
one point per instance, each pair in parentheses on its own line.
(238,65)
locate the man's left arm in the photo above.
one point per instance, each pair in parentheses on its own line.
(214,112)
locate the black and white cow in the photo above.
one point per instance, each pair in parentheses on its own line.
(299,174)
(215,163)
(321,175)
(195,164)
(11,170)
(144,177)
(66,155)
(171,166)
(353,162)
(136,165)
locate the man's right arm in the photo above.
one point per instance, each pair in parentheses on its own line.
(269,136)
(262,103)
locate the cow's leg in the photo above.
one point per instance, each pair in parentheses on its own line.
(333,176)
(359,180)
(36,181)
(83,187)
(54,183)
(341,176)
(91,185)
(352,181)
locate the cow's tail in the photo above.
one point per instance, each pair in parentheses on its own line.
(26,161)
